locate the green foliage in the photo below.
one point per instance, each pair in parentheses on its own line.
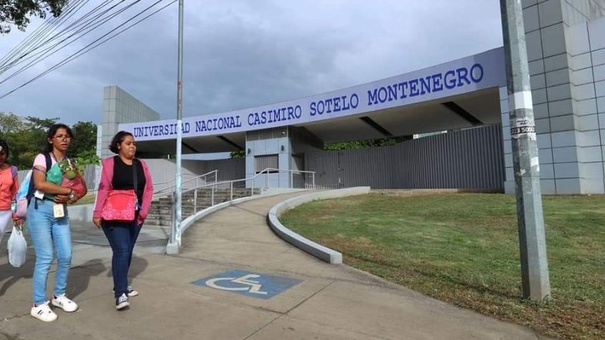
(85,138)
(17,12)
(359,144)
(26,137)
(87,157)
(238,154)
(70,169)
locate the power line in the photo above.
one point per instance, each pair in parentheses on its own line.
(41,55)
(38,33)
(95,43)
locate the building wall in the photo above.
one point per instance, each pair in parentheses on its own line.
(163,171)
(269,142)
(121,107)
(564,91)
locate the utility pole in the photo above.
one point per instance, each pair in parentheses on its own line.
(175,238)
(530,218)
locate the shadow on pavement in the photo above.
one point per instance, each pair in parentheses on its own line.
(80,276)
(137,266)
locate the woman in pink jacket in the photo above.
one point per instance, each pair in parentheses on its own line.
(119,173)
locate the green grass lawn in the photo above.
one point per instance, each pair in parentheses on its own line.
(464,249)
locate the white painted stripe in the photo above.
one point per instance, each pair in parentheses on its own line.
(520,100)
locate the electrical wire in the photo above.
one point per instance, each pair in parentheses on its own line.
(87,26)
(39,33)
(62,44)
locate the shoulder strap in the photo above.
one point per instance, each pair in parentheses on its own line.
(134,174)
(14,171)
(49,161)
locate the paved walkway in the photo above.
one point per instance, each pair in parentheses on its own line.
(264,289)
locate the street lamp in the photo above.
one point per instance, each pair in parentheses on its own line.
(175,237)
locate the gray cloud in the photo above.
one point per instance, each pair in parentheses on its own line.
(242,54)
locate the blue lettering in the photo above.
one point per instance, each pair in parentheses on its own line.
(450,82)
(382,94)
(476,73)
(372,97)
(436,81)
(354,102)
(270,116)
(425,85)
(335,104)
(462,75)
(414,87)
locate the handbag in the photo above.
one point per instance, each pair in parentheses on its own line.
(121,205)
(17,248)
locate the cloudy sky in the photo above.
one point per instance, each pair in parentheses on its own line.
(247,53)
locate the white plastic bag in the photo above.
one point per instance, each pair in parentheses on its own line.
(17,248)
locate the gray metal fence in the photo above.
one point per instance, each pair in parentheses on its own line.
(467,159)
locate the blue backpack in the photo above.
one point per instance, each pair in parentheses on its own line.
(27,190)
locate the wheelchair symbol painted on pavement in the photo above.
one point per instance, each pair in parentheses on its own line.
(251,286)
(256,285)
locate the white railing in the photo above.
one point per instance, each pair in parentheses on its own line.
(167,187)
(238,188)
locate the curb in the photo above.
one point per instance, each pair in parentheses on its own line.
(323,253)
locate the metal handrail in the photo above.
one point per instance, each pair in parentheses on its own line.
(266,171)
(175,237)
(171,188)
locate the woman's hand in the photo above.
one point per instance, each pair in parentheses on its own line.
(97,222)
(61,198)
(17,221)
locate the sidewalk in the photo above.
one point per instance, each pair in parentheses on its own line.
(263,289)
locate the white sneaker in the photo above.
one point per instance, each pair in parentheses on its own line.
(64,303)
(122,302)
(132,292)
(43,312)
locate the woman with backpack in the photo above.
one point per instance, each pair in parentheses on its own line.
(9,185)
(48,225)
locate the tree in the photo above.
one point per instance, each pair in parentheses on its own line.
(27,137)
(369,143)
(17,12)
(85,138)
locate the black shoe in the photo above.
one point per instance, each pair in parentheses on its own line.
(131,292)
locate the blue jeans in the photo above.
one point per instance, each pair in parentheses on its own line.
(122,237)
(48,233)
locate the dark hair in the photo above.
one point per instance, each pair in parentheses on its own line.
(52,131)
(117,140)
(4,146)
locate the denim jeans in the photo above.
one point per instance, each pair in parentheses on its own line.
(48,233)
(122,237)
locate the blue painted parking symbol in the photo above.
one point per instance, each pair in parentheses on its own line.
(251,284)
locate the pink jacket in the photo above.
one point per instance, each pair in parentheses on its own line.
(105,187)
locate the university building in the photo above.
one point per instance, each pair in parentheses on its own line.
(460,108)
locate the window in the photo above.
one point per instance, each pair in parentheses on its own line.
(265,161)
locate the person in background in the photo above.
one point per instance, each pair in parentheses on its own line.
(48,225)
(117,173)
(9,185)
